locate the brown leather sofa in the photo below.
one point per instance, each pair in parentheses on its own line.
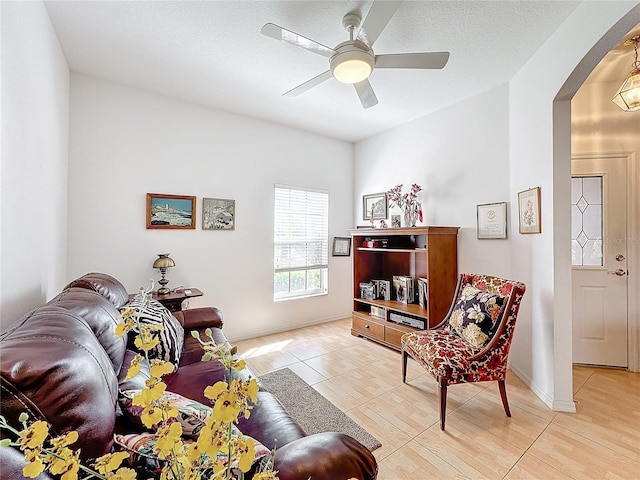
(63,363)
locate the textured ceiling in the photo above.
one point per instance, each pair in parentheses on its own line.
(212,53)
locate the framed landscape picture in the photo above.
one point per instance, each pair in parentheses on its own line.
(171,211)
(529,211)
(218,214)
(374,206)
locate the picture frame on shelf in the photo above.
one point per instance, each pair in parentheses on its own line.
(396,221)
(529,217)
(218,214)
(375,206)
(165,211)
(492,220)
(341,247)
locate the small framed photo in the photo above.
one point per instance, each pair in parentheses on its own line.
(374,206)
(395,221)
(529,220)
(218,214)
(341,246)
(171,211)
(492,220)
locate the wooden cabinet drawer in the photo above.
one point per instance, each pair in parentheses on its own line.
(368,327)
(393,335)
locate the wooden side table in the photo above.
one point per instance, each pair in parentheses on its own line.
(173,301)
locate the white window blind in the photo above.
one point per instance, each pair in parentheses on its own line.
(301,242)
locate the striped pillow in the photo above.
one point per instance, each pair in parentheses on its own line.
(171,338)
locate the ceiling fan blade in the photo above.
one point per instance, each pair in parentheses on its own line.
(365,93)
(309,84)
(433,60)
(287,36)
(379,15)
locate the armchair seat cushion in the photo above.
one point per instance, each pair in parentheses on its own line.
(442,352)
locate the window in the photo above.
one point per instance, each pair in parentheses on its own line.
(301,242)
(586,221)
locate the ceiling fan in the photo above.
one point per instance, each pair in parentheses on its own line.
(354,60)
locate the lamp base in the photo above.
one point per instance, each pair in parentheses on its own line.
(163,291)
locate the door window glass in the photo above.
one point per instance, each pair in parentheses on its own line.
(586,221)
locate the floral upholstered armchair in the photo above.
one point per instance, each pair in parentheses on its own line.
(472,343)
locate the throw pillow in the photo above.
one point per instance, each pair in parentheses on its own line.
(191,414)
(476,316)
(144,460)
(171,338)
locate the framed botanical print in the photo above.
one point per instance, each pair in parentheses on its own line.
(529,220)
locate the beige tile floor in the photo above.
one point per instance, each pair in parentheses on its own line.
(600,441)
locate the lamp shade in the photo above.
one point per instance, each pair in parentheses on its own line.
(164,261)
(628,95)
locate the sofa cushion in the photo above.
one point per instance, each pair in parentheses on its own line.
(53,368)
(101,315)
(476,316)
(103,284)
(171,338)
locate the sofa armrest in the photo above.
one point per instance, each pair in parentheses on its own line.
(12,461)
(199,318)
(325,456)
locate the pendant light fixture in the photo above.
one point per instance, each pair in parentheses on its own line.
(628,95)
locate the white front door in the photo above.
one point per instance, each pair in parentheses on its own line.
(599,259)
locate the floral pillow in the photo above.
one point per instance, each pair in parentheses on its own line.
(477,315)
(191,414)
(145,460)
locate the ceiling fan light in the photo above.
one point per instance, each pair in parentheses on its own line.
(628,95)
(352,66)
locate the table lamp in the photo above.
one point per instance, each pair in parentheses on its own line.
(162,263)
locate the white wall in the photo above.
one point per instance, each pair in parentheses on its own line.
(35,102)
(459,155)
(540,156)
(126,142)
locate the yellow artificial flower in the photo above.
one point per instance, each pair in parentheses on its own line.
(146,342)
(110,461)
(151,415)
(270,476)
(123,474)
(168,439)
(134,366)
(245,449)
(252,390)
(35,435)
(148,395)
(212,392)
(159,368)
(226,408)
(35,466)
(65,440)
(66,463)
(121,329)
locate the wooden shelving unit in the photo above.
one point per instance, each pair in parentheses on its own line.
(427,252)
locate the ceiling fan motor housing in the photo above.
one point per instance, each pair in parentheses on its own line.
(353,62)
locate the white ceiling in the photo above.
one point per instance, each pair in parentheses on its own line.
(212,53)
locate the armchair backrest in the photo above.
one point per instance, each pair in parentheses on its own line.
(484,311)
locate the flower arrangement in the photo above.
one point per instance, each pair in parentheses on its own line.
(220,452)
(408,202)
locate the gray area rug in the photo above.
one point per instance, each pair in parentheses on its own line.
(313,412)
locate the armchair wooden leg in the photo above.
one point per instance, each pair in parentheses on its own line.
(503,395)
(442,394)
(405,357)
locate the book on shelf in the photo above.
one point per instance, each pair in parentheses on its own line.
(367,291)
(423,293)
(383,289)
(403,289)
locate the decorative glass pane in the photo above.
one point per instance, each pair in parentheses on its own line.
(586,221)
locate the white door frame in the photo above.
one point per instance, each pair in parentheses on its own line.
(633,251)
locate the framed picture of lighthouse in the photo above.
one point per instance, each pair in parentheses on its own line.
(171,211)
